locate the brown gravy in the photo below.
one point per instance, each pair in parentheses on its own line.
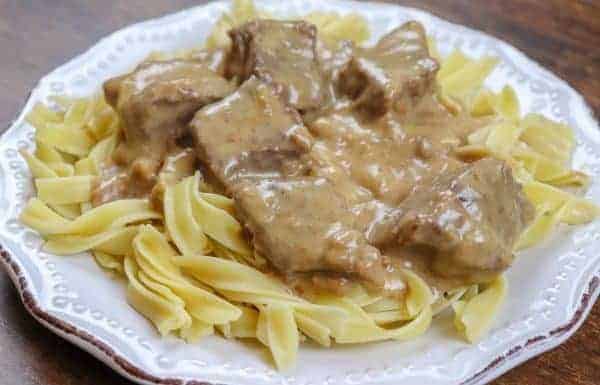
(340,160)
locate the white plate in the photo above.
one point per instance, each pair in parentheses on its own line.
(552,287)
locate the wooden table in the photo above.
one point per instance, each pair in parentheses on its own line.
(38,35)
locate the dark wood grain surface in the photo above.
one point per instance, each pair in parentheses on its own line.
(38,35)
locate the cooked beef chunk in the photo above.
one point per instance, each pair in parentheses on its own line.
(466,222)
(340,159)
(301,225)
(282,53)
(258,149)
(250,134)
(155,103)
(214,58)
(393,75)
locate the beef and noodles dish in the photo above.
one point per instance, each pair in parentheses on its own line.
(283,182)
(341,160)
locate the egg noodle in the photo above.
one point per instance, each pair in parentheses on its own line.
(190,271)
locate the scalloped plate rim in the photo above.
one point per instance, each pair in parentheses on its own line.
(516,354)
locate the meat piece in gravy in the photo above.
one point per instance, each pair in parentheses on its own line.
(177,166)
(303,226)
(155,103)
(118,183)
(330,186)
(332,56)
(282,53)
(250,134)
(466,222)
(393,75)
(259,150)
(380,156)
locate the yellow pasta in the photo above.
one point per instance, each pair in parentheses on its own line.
(166,315)
(507,104)
(554,206)
(218,201)
(390,316)
(335,27)
(313,329)
(67,139)
(196,330)
(234,277)
(419,294)
(109,262)
(40,217)
(360,328)
(578,211)
(217,223)
(153,253)
(329,317)
(186,232)
(51,159)
(447,299)
(537,149)
(62,169)
(468,78)
(102,150)
(71,211)
(67,190)
(40,114)
(543,223)
(502,138)
(38,168)
(504,104)
(388,310)
(277,329)
(114,214)
(548,138)
(79,111)
(474,316)
(243,327)
(547,170)
(104,122)
(115,241)
(86,167)
(484,103)
(241,283)
(454,62)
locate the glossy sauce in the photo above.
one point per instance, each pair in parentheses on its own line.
(155,103)
(341,160)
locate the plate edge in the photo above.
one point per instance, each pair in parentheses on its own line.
(533,347)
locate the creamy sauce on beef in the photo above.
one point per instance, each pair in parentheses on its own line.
(155,103)
(282,53)
(341,160)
